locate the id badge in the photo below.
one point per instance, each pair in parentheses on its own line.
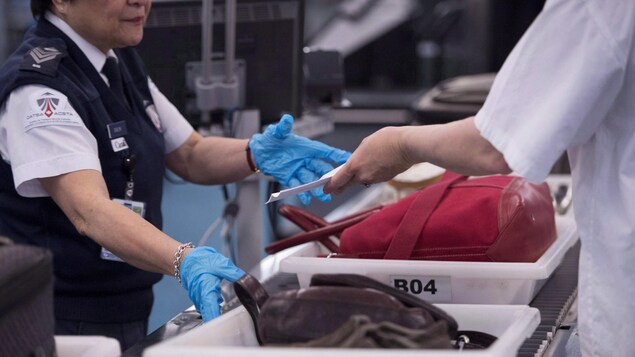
(136,207)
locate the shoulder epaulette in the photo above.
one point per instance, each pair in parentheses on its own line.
(43,59)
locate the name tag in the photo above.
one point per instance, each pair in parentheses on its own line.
(136,207)
(119,144)
(117,130)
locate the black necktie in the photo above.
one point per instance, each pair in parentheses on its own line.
(111,71)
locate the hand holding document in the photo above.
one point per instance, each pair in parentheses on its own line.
(307,186)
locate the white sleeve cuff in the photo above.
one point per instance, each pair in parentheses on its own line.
(515,157)
(26,176)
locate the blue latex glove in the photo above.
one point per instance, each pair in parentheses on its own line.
(294,160)
(201,273)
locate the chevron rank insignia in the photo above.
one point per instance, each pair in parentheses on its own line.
(42,59)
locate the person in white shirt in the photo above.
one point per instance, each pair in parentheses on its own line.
(568,85)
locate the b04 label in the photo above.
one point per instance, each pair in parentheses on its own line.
(429,288)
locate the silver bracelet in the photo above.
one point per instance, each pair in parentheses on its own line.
(177,259)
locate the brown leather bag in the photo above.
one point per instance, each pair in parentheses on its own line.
(302,315)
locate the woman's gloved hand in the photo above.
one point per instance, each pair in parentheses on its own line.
(294,160)
(201,273)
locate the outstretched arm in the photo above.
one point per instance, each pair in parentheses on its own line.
(84,198)
(456,146)
(290,159)
(210,160)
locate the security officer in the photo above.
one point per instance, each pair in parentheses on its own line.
(85,138)
(569,84)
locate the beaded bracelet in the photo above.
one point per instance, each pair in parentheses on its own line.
(177,259)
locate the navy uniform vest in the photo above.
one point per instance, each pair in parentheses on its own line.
(87,287)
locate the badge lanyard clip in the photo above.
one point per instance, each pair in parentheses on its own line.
(129,164)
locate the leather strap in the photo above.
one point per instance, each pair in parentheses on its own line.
(308,222)
(417,215)
(253,296)
(302,218)
(321,234)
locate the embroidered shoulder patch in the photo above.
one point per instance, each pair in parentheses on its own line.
(42,59)
(50,107)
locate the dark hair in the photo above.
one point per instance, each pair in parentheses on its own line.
(39,7)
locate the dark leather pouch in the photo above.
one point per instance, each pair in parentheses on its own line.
(304,315)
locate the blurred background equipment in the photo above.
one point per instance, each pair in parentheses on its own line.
(323,78)
(268,52)
(395,50)
(15,17)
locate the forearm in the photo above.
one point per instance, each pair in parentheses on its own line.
(210,160)
(84,199)
(457,146)
(128,236)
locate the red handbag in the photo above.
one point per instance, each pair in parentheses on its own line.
(493,219)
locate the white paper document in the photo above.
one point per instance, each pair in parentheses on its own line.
(307,186)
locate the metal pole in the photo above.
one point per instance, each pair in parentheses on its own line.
(230,40)
(207,38)
(207,28)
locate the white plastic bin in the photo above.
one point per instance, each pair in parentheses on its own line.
(87,346)
(445,282)
(232,334)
